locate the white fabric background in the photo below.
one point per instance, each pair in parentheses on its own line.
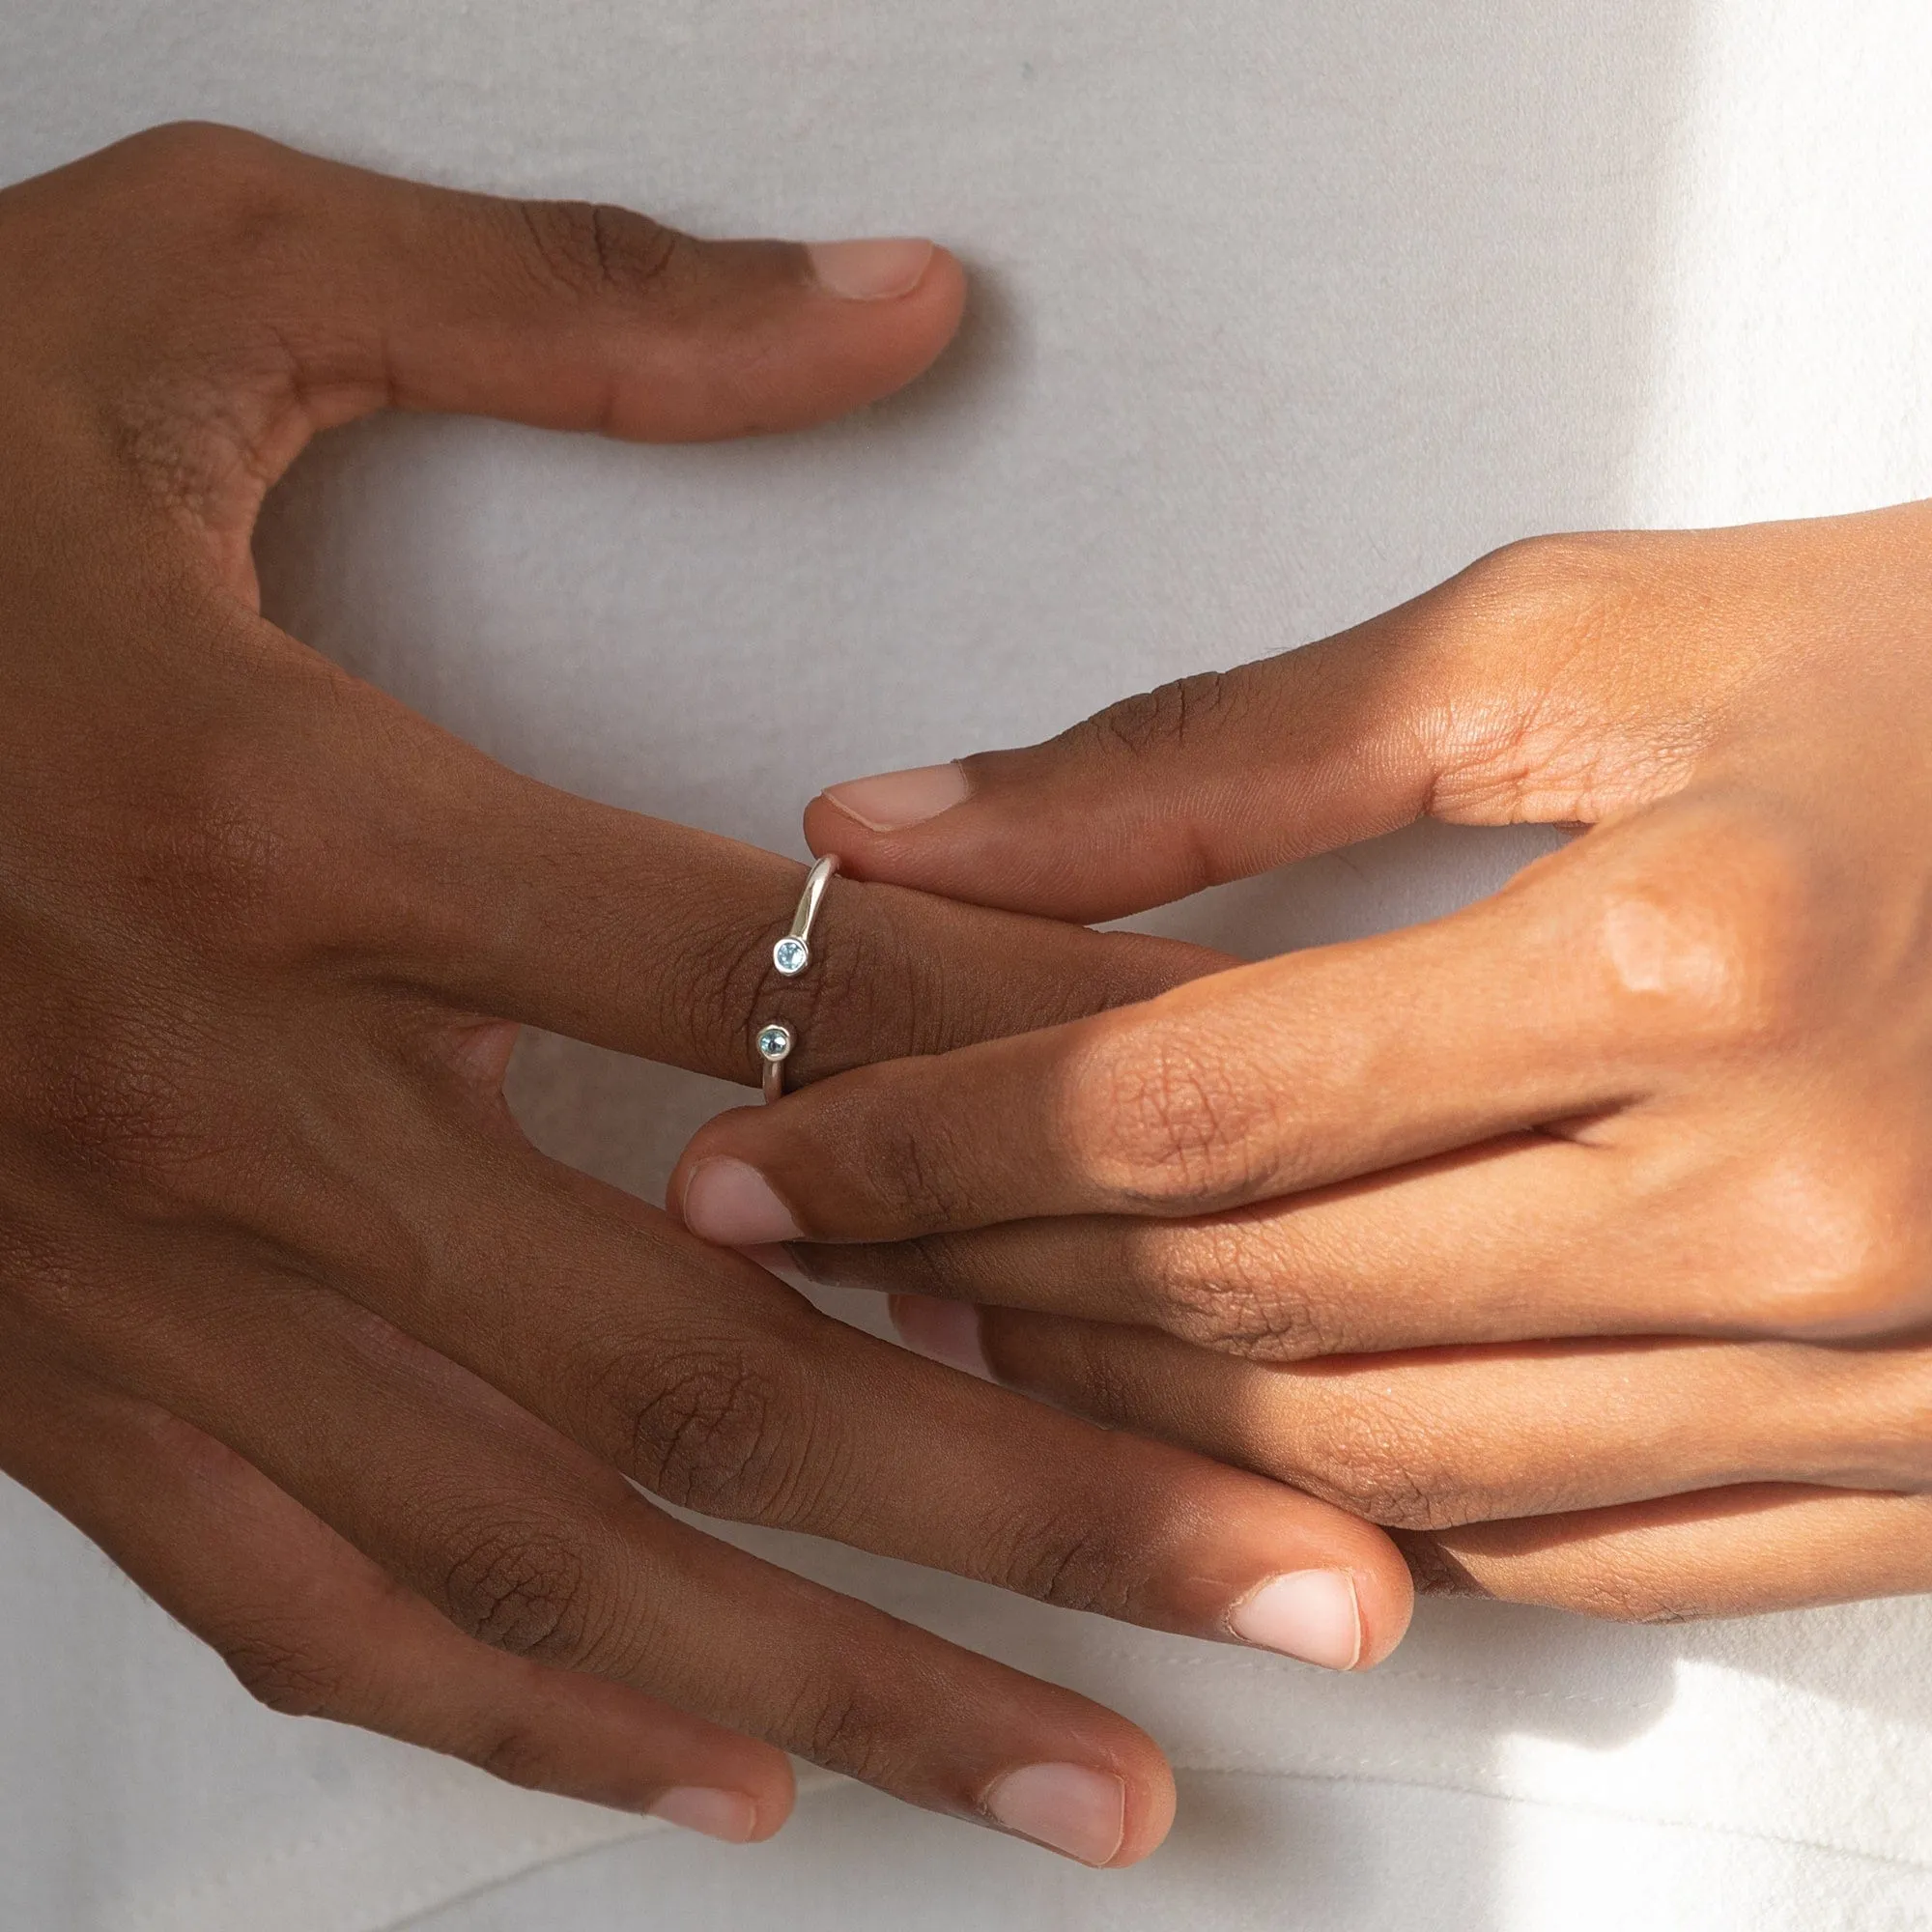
(1285,308)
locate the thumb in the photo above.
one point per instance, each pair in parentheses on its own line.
(1441,708)
(293,294)
(1213,777)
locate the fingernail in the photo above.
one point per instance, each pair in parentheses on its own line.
(731,1204)
(869,270)
(1081,1812)
(895,800)
(1309,1614)
(718,1814)
(941,1331)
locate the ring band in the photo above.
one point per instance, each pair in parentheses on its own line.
(790,956)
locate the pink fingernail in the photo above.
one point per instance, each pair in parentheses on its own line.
(1065,1807)
(730,1203)
(718,1814)
(941,1331)
(873,270)
(1312,1614)
(895,800)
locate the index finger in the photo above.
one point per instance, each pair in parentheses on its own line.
(394,846)
(657,939)
(1250,1083)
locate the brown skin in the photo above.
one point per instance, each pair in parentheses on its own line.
(293,1320)
(1582,1236)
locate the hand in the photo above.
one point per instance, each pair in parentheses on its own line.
(292,1322)
(1585,1233)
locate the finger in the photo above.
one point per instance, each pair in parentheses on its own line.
(1442,1436)
(538,1549)
(313,1628)
(1297,1073)
(1440,707)
(345,831)
(714,1387)
(1715,1553)
(1522,1240)
(373,292)
(655,939)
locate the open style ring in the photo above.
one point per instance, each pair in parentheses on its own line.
(791,956)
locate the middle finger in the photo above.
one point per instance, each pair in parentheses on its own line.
(716,1388)
(1524,1239)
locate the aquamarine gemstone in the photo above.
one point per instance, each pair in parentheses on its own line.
(791,956)
(775,1042)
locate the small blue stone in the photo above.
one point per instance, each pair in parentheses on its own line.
(791,956)
(775,1042)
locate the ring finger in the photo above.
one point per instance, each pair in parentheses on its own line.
(1729,1552)
(1448,1436)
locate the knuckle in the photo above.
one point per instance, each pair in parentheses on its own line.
(833,1725)
(917,1180)
(232,854)
(1067,1563)
(210,155)
(1432,1568)
(1220,1287)
(297,1679)
(1170,717)
(916,1177)
(591,251)
(1164,1123)
(522,1587)
(1373,1462)
(1079,1364)
(517,1752)
(209,235)
(1838,1246)
(237,194)
(192,145)
(711,1429)
(1550,585)
(126,1104)
(220,865)
(1614,1586)
(1518,635)
(1712,942)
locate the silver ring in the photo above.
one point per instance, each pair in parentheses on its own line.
(790,956)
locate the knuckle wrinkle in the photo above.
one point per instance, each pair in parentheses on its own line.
(593,251)
(521,1590)
(709,1434)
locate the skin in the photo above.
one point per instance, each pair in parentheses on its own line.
(293,1321)
(1582,1236)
